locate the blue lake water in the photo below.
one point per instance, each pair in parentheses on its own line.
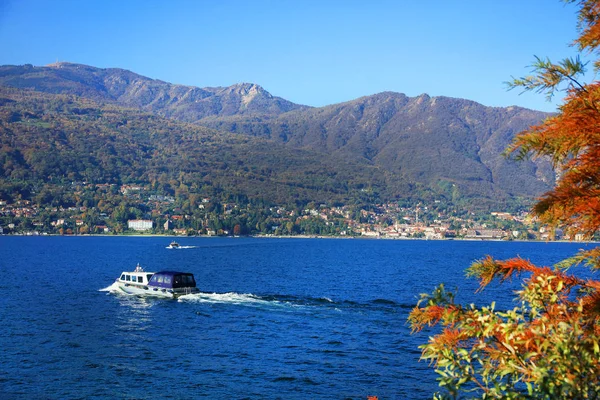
(279,319)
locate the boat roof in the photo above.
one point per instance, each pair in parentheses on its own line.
(172,273)
(138,272)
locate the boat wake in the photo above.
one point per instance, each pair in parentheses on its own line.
(114,288)
(229,298)
(291,302)
(180,247)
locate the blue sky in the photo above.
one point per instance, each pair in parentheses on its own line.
(310,52)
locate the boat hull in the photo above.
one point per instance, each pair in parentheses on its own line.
(148,290)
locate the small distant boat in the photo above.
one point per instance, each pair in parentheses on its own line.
(173,245)
(170,284)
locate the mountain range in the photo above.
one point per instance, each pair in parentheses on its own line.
(393,143)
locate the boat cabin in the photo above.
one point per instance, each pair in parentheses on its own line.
(136,277)
(172,280)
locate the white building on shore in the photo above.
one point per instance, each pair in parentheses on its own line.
(140,224)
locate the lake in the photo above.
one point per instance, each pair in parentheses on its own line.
(277,319)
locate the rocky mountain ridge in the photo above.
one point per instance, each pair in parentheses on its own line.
(129,89)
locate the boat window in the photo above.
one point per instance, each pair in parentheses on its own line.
(148,277)
(140,279)
(160,279)
(127,277)
(123,277)
(167,279)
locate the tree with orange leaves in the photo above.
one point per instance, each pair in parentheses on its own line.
(548,346)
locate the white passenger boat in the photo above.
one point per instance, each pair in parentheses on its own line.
(170,284)
(173,245)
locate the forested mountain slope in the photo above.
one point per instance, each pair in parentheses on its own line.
(52,139)
(436,141)
(419,146)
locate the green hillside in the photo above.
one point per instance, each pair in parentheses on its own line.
(74,122)
(57,139)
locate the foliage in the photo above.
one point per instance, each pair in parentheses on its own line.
(571,138)
(549,345)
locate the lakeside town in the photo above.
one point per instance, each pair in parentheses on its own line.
(107,209)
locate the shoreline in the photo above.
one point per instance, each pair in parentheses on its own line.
(163,235)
